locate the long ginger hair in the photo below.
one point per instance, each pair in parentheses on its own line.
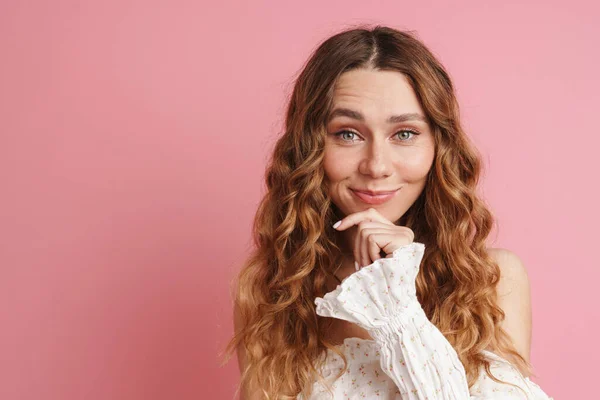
(297,250)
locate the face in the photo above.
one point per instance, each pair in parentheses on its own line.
(377,140)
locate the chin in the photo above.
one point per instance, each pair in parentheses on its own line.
(389,211)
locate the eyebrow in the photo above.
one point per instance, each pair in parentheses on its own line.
(394,119)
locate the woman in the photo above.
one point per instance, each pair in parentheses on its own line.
(371,277)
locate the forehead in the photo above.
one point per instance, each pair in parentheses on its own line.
(376,92)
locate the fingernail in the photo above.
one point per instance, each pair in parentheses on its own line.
(356,265)
(337,224)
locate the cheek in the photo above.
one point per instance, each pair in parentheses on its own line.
(416,165)
(336,168)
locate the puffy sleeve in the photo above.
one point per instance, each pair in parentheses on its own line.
(381,298)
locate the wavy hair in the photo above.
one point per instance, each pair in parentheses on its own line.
(296,250)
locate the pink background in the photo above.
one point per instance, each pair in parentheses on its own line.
(134,136)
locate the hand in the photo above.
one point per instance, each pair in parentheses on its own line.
(374,234)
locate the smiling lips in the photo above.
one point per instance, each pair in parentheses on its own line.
(370,198)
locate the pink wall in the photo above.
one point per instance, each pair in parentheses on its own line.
(133,139)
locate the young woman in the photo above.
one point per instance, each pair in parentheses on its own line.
(371,277)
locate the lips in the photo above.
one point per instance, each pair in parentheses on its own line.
(375,193)
(375,198)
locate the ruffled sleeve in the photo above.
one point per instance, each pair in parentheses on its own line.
(381,298)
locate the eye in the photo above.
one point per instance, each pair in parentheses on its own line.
(410,132)
(340,133)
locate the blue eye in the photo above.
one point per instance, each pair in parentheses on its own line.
(342,132)
(410,131)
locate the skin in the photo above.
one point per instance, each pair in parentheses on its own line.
(375,154)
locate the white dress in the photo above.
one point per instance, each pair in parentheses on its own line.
(408,358)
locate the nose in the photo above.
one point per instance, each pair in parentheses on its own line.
(377,159)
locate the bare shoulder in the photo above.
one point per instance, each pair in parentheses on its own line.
(511,265)
(514,298)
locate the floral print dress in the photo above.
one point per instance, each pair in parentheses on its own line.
(408,358)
